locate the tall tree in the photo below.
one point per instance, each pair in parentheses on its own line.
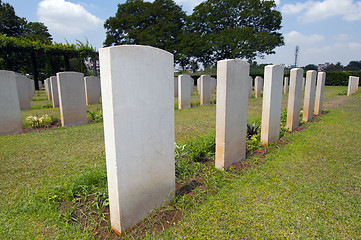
(158,24)
(37,31)
(310,67)
(354,66)
(235,29)
(10,24)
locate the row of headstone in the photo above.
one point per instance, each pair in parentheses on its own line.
(91,87)
(25,91)
(231,119)
(139,122)
(353,83)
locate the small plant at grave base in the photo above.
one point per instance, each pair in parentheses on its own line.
(36,121)
(253,129)
(344,92)
(95,116)
(195,104)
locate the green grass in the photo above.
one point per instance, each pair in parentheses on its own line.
(306,189)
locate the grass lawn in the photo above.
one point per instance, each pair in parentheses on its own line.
(309,188)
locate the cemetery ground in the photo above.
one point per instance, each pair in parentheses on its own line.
(53,182)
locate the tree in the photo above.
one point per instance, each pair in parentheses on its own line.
(10,24)
(354,66)
(334,68)
(158,24)
(310,67)
(37,31)
(227,29)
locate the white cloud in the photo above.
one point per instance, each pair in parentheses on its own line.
(188,5)
(296,8)
(66,17)
(320,10)
(299,38)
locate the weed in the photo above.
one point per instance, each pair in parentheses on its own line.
(95,116)
(36,121)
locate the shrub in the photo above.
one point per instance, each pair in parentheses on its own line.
(36,121)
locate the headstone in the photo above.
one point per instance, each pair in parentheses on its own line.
(303,83)
(205,89)
(258,86)
(321,78)
(184,98)
(54,91)
(72,101)
(272,103)
(23,92)
(31,88)
(309,100)
(250,87)
(175,86)
(232,109)
(10,115)
(199,85)
(285,86)
(353,83)
(46,86)
(92,90)
(294,99)
(138,131)
(40,85)
(213,85)
(192,85)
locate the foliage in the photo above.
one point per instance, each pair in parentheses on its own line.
(340,78)
(354,66)
(253,129)
(310,67)
(234,29)
(10,24)
(95,116)
(334,67)
(158,24)
(36,121)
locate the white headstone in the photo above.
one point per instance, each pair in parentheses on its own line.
(92,90)
(54,91)
(192,85)
(272,103)
(353,83)
(250,86)
(294,99)
(23,92)
(309,100)
(138,130)
(10,115)
(213,85)
(205,89)
(40,85)
(184,98)
(321,78)
(72,98)
(285,87)
(303,83)
(232,109)
(175,86)
(258,86)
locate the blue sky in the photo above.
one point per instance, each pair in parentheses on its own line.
(324,30)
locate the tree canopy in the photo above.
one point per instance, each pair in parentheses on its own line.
(158,24)
(217,29)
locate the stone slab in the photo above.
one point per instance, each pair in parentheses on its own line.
(294,99)
(285,85)
(272,102)
(184,96)
(92,90)
(321,78)
(231,112)
(175,86)
(54,91)
(72,98)
(10,115)
(258,86)
(23,92)
(250,87)
(205,89)
(309,99)
(138,131)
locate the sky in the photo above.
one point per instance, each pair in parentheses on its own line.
(324,30)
